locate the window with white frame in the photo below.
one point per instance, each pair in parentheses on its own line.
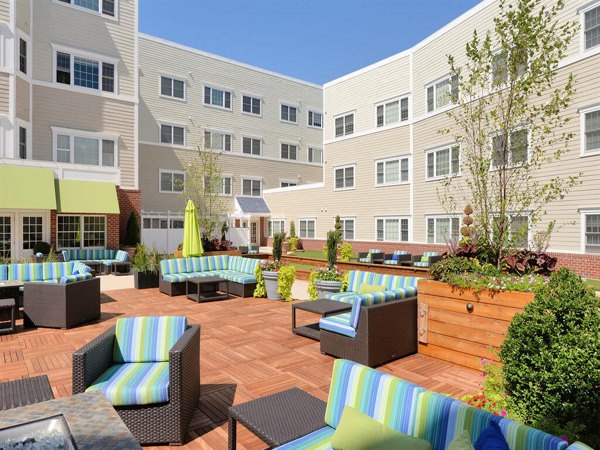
(251,187)
(288,113)
(106,7)
(344,125)
(217,97)
(591,230)
(392,112)
(285,184)
(172,87)
(517,233)
(289,151)
(33,231)
(344,177)
(516,152)
(216,140)
(307,228)
(171,181)
(227,184)
(443,162)
(501,72)
(392,171)
(160,223)
(440,230)
(315,155)
(251,146)
(591,27)
(591,131)
(22,142)
(275,226)
(441,93)
(172,134)
(78,147)
(392,229)
(85,71)
(348,228)
(315,119)
(251,105)
(23,55)
(80,231)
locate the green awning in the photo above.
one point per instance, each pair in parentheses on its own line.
(24,187)
(92,197)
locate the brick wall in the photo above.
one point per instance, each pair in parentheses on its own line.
(112,226)
(129,201)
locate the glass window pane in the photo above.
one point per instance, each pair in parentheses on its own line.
(392,230)
(349,124)
(178,182)
(86,151)
(63,68)
(592,131)
(339,178)
(518,146)
(404,109)
(218,98)
(442,94)
(166,134)
(349,177)
(430,165)
(380,235)
(404,170)
(339,126)
(442,230)
(108,77)
(94,5)
(592,233)
(68,232)
(166,181)
(108,153)
(380,116)
(178,136)
(94,231)
(392,171)
(380,174)
(178,89)
(404,230)
(392,112)
(442,162)
(592,28)
(108,7)
(430,230)
(85,72)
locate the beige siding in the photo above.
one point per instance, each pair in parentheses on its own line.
(4,90)
(4,10)
(23,16)
(84,112)
(22,99)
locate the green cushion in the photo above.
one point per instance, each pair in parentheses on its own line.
(369,288)
(462,441)
(357,431)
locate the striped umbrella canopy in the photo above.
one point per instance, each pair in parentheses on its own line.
(192,244)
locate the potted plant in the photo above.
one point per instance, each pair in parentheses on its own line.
(40,251)
(145,267)
(275,280)
(179,252)
(330,278)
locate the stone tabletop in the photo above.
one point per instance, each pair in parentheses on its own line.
(93,422)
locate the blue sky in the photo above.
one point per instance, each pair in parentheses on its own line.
(314,40)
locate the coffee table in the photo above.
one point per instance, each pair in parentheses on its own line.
(96,266)
(278,418)
(10,288)
(324,307)
(120,268)
(206,289)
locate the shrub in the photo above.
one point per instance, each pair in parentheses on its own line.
(332,246)
(277,246)
(215,245)
(285,281)
(525,261)
(132,232)
(146,261)
(551,363)
(292,229)
(41,247)
(492,396)
(449,266)
(293,243)
(346,251)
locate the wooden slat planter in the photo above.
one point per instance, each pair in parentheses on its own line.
(449,331)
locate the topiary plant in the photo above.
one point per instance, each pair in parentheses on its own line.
(277,246)
(132,232)
(332,245)
(551,363)
(41,247)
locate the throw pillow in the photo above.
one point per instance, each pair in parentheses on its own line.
(461,441)
(394,257)
(370,288)
(357,431)
(491,439)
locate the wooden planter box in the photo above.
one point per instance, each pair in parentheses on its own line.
(179,253)
(459,325)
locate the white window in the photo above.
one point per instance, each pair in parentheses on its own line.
(344,177)
(391,171)
(82,147)
(275,226)
(315,155)
(227,185)
(516,152)
(172,87)
(251,105)
(392,112)
(251,187)
(440,93)
(392,229)
(443,162)
(84,71)
(172,134)
(289,113)
(217,97)
(344,125)
(289,151)
(216,140)
(307,228)
(69,231)
(591,232)
(315,119)
(171,181)
(105,7)
(441,230)
(519,231)
(347,229)
(285,184)
(590,131)
(251,146)
(591,26)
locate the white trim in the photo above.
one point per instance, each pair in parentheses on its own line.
(450,174)
(212,88)
(393,158)
(252,97)
(172,78)
(289,105)
(288,143)
(582,113)
(172,124)
(100,136)
(136,94)
(255,138)
(344,167)
(581,12)
(399,217)
(583,212)
(98,13)
(386,102)
(289,181)
(434,83)
(172,172)
(369,131)
(300,187)
(20,123)
(84,90)
(314,111)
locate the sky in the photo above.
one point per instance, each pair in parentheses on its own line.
(313,40)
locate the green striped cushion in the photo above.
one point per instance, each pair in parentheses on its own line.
(245,265)
(317,440)
(340,323)
(147,339)
(134,383)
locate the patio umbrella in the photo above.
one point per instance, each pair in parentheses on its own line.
(192,244)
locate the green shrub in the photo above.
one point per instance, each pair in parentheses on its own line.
(41,247)
(285,281)
(277,246)
(259,290)
(292,229)
(551,362)
(332,246)
(146,261)
(346,252)
(132,232)
(293,243)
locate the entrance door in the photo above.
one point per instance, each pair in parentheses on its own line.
(6,237)
(32,231)
(254,232)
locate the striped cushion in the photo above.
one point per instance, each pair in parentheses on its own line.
(3,272)
(421,263)
(121,256)
(245,265)
(428,254)
(391,262)
(134,383)
(239,277)
(94,255)
(72,278)
(345,297)
(373,298)
(355,312)
(339,323)
(400,252)
(364,260)
(47,272)
(317,440)
(147,339)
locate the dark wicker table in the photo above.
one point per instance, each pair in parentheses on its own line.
(10,289)
(8,313)
(206,289)
(278,418)
(324,307)
(120,268)
(14,394)
(96,266)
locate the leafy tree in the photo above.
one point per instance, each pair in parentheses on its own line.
(132,231)
(509,120)
(292,229)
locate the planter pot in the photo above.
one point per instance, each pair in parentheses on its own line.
(271,284)
(327,286)
(177,254)
(129,249)
(145,280)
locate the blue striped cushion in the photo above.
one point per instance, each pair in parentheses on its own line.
(121,256)
(238,277)
(92,254)
(3,272)
(355,312)
(134,383)
(345,297)
(147,339)
(72,278)
(431,254)
(421,263)
(391,262)
(245,265)
(317,440)
(339,323)
(364,260)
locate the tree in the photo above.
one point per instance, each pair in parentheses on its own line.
(132,231)
(508,122)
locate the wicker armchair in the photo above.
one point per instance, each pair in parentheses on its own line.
(395,260)
(425,261)
(151,423)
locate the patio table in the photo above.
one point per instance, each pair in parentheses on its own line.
(323,307)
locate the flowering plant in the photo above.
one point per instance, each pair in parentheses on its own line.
(328,274)
(271,266)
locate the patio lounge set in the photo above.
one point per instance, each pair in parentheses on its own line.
(399,258)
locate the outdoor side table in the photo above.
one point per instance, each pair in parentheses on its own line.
(120,268)
(278,418)
(14,394)
(96,266)
(206,289)
(324,307)
(10,289)
(8,306)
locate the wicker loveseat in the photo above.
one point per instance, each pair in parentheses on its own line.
(394,259)
(427,259)
(374,255)
(238,270)
(106,257)
(149,369)
(412,410)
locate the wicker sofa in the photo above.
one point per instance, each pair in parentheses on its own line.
(410,409)
(237,270)
(106,257)
(158,403)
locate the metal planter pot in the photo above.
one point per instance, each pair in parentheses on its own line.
(145,280)
(271,284)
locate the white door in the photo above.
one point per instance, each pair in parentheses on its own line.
(254,232)
(7,221)
(32,229)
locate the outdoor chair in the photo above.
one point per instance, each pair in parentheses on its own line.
(243,249)
(153,384)
(426,260)
(252,249)
(373,255)
(394,259)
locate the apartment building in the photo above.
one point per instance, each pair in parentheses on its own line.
(384,157)
(266,127)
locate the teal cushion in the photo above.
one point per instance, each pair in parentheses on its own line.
(462,441)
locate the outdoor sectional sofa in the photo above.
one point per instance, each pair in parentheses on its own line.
(410,409)
(106,257)
(238,270)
